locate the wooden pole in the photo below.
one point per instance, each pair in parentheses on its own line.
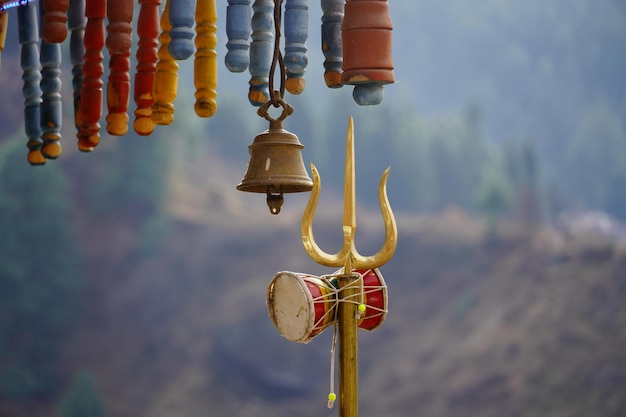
(348,347)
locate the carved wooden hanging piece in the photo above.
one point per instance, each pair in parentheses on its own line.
(261,36)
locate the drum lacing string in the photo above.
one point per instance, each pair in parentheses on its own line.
(359,298)
(331,296)
(380,311)
(331,395)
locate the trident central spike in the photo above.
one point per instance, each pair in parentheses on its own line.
(350,259)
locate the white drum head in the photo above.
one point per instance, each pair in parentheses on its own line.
(290,306)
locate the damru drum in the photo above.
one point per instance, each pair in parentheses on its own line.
(301,306)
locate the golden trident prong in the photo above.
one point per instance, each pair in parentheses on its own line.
(348,256)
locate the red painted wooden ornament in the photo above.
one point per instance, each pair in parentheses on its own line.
(118,42)
(4,20)
(54,20)
(91,99)
(148,28)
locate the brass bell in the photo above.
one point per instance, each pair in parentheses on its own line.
(275,166)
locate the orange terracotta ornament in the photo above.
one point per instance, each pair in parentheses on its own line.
(366,41)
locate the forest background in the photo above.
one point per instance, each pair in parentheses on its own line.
(132,279)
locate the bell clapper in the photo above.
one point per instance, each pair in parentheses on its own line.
(274,201)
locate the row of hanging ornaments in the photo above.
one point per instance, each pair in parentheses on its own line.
(356,43)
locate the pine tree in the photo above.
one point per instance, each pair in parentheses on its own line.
(38,273)
(82,399)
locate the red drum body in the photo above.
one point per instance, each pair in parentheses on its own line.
(374,298)
(301,306)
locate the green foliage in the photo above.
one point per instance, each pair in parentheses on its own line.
(522,169)
(435,163)
(82,399)
(494,197)
(128,180)
(597,161)
(38,273)
(130,176)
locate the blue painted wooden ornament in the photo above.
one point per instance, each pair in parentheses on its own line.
(332,18)
(238,30)
(76,24)
(261,50)
(296,33)
(182,14)
(51,111)
(29,37)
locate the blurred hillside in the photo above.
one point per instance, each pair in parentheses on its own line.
(507,323)
(133,279)
(159,294)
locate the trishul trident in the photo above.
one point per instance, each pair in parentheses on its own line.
(349,259)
